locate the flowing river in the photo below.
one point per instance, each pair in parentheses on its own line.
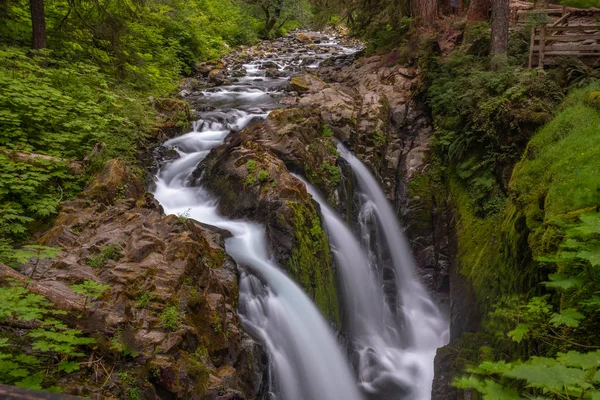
(392,343)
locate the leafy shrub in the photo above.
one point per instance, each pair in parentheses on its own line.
(34,360)
(484,118)
(263,176)
(538,271)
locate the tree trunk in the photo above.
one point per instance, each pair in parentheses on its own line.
(500,21)
(425,10)
(38,22)
(478,11)
(540,4)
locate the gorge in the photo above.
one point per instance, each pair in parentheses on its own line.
(395,205)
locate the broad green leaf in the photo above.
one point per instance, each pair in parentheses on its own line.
(495,391)
(68,366)
(32,382)
(555,377)
(519,332)
(569,317)
(565,282)
(591,255)
(577,359)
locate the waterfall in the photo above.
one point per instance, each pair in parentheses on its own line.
(305,357)
(393,337)
(396,348)
(394,344)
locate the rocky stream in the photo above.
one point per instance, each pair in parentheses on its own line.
(287,231)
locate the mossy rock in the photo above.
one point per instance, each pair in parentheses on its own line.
(299,84)
(115,182)
(252,182)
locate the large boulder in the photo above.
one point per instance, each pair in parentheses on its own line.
(169,319)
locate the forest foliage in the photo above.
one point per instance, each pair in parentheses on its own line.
(88,96)
(516,149)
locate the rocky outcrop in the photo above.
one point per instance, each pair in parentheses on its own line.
(168,321)
(250,176)
(369,106)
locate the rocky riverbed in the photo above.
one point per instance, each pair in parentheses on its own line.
(316,89)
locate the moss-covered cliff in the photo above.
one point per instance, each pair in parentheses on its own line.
(533,264)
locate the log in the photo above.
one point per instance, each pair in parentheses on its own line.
(55,296)
(75,166)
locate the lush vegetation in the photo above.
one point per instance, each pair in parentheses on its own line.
(49,347)
(95,91)
(89,96)
(528,223)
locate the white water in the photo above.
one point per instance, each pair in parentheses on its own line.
(305,359)
(401,355)
(393,359)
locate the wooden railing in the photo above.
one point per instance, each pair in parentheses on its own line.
(549,43)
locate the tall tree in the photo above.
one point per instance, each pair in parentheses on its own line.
(500,22)
(478,10)
(38,22)
(425,10)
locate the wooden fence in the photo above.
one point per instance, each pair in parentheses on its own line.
(549,43)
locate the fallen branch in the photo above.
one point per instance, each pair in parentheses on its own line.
(75,166)
(53,295)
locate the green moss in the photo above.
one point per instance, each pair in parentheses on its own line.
(171,318)
(310,263)
(326,131)
(112,252)
(263,176)
(251,165)
(197,368)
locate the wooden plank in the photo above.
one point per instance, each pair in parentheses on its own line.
(555,47)
(573,28)
(556,11)
(531,47)
(568,53)
(571,38)
(562,19)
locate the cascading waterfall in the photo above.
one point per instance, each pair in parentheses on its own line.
(394,349)
(400,357)
(393,342)
(305,359)
(305,356)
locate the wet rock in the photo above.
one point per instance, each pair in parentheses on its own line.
(274,73)
(304,38)
(252,181)
(155,263)
(238,73)
(307,84)
(269,65)
(218,77)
